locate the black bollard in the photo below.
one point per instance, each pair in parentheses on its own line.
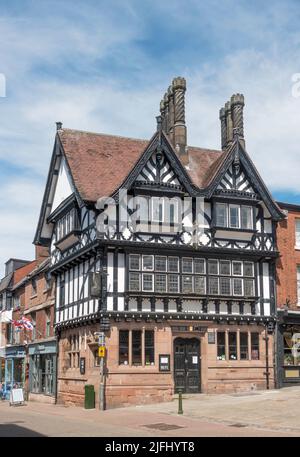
(180,410)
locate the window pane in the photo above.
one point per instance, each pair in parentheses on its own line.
(199,285)
(136,347)
(232,346)
(248,269)
(160,263)
(123,347)
(246,217)
(225,267)
(221,215)
(237,286)
(225,286)
(199,266)
(213,268)
(147,282)
(187,284)
(237,268)
(221,354)
(148,262)
(213,286)
(234,217)
(244,346)
(134,262)
(249,288)
(142,205)
(157,209)
(254,346)
(174,283)
(297,230)
(187,265)
(149,347)
(173,264)
(160,283)
(134,282)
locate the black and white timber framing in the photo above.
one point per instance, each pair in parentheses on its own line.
(68,225)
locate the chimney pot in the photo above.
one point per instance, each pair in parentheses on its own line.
(58,125)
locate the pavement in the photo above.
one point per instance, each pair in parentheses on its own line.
(271,413)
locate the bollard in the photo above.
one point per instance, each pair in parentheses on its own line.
(180,410)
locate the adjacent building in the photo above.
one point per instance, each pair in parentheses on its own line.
(288,296)
(168,248)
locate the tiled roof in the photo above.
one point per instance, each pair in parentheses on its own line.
(100,163)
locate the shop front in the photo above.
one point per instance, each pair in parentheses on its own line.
(42,370)
(288,342)
(13,369)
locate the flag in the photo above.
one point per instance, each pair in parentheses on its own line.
(27,323)
(17,324)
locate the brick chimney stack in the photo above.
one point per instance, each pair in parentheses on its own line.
(231,117)
(172,110)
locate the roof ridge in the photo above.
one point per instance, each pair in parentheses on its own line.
(106,134)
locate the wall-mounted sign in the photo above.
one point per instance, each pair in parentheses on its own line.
(164,362)
(82,365)
(189,328)
(211,337)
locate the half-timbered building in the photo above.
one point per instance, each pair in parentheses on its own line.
(171,249)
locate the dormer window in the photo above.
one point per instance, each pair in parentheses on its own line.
(234,216)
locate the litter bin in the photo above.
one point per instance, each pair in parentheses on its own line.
(89,396)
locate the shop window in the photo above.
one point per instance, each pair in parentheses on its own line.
(149,347)
(244,354)
(123,347)
(232,346)
(221,346)
(254,346)
(136,347)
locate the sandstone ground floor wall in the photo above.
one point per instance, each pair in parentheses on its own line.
(130,380)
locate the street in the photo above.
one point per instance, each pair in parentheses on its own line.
(267,413)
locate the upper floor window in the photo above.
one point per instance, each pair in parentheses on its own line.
(162,210)
(67,224)
(297,233)
(234,216)
(33,286)
(298,285)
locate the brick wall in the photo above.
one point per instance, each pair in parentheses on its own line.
(287,263)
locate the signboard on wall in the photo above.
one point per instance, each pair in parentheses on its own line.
(82,365)
(164,362)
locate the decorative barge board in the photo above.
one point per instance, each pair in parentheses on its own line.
(169,248)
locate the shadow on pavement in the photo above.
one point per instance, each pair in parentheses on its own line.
(13,430)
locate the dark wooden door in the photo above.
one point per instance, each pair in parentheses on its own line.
(187,365)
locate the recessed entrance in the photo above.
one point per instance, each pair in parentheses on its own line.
(187,365)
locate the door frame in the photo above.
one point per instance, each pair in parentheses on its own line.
(186,339)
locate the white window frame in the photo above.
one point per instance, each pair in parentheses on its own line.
(217,278)
(242,282)
(253,272)
(251,217)
(164,257)
(204,262)
(230,285)
(230,269)
(204,278)
(160,200)
(166,282)
(139,275)
(182,277)
(178,283)
(150,274)
(248,278)
(225,205)
(242,268)
(239,216)
(147,255)
(213,274)
(192,263)
(178,266)
(134,269)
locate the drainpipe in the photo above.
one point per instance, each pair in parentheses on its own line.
(266,338)
(56,369)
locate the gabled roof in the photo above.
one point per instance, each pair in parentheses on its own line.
(6,282)
(101,163)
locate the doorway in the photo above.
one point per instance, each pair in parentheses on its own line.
(187,365)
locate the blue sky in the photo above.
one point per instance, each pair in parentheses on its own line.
(104,66)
